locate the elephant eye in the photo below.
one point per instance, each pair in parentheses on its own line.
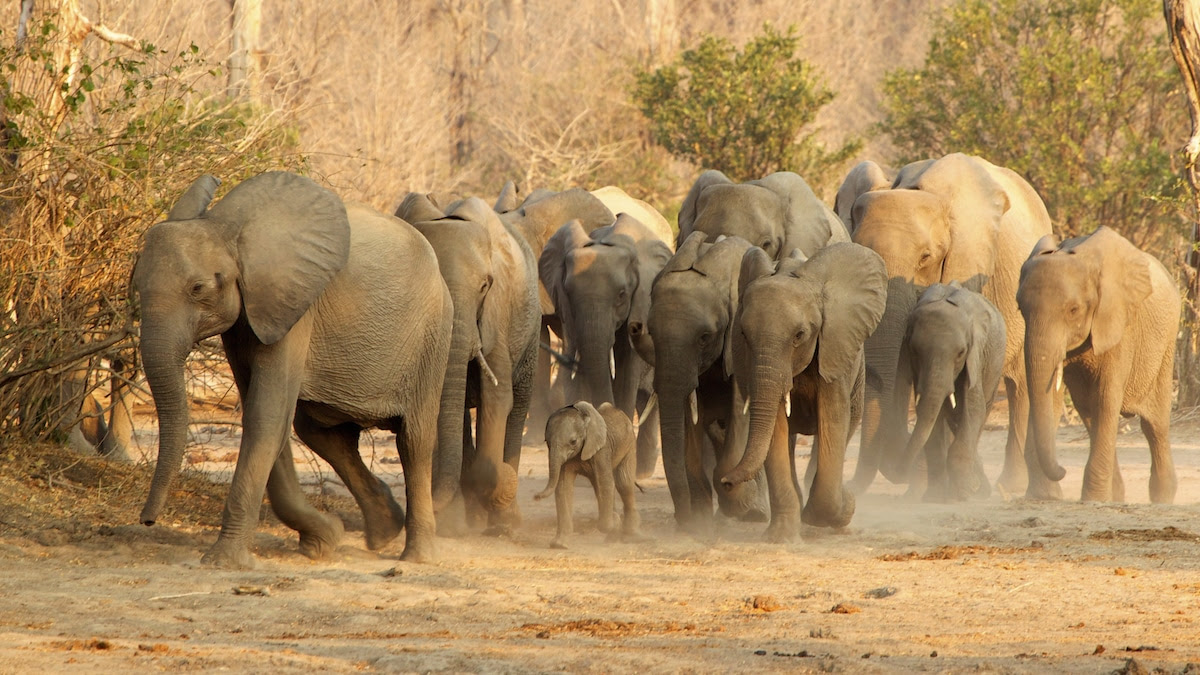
(197,288)
(925,257)
(705,337)
(766,245)
(799,336)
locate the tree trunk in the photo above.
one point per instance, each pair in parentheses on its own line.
(1183,26)
(246,23)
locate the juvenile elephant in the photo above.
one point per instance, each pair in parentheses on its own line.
(600,284)
(492,278)
(951,359)
(333,318)
(1101,317)
(598,443)
(778,213)
(958,218)
(798,359)
(693,304)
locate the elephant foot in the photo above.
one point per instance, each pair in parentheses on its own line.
(860,484)
(558,544)
(452,519)
(633,537)
(228,554)
(1044,490)
(1162,489)
(784,528)
(1013,480)
(319,545)
(825,516)
(418,551)
(380,532)
(754,515)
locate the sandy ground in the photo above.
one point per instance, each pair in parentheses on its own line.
(992,586)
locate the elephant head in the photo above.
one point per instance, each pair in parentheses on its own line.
(864,177)
(778,213)
(1077,295)
(803,315)
(953,341)
(576,431)
(600,285)
(266,252)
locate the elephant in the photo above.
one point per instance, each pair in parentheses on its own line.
(693,304)
(597,442)
(864,177)
(618,201)
(537,219)
(1101,316)
(957,218)
(333,318)
(798,360)
(600,284)
(952,358)
(492,278)
(777,213)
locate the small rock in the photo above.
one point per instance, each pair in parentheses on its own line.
(881,592)
(1131,667)
(252,590)
(844,608)
(543,635)
(1099,650)
(394,572)
(823,632)
(933,654)
(763,603)
(760,652)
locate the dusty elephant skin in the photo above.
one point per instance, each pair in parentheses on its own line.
(951,359)
(599,444)
(798,358)
(1101,317)
(333,319)
(693,305)
(600,284)
(957,218)
(491,274)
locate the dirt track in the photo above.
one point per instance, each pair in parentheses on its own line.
(987,586)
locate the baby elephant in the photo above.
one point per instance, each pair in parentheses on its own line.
(600,444)
(952,358)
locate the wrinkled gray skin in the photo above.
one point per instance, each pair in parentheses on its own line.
(778,213)
(951,359)
(334,319)
(798,344)
(1101,317)
(864,177)
(537,219)
(958,218)
(491,275)
(599,444)
(600,284)
(693,303)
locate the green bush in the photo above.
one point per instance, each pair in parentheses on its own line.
(1078,96)
(742,112)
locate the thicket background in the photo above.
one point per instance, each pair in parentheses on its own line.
(374,99)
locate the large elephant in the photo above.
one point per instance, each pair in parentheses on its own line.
(798,360)
(1101,316)
(333,318)
(951,360)
(958,218)
(693,304)
(492,278)
(600,284)
(778,213)
(537,219)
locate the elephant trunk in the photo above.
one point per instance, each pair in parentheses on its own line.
(929,407)
(888,438)
(594,342)
(447,466)
(1043,364)
(674,382)
(164,358)
(769,383)
(556,462)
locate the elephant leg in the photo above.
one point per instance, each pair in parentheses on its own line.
(810,471)
(829,505)
(699,489)
(493,479)
(785,501)
(319,533)
(1162,467)
(602,482)
(383,518)
(540,406)
(522,387)
(416,441)
(962,458)
(564,506)
(868,447)
(1101,472)
(624,481)
(1014,477)
(931,482)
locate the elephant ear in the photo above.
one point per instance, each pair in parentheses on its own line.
(809,224)
(755,264)
(292,237)
(685,255)
(417,207)
(552,265)
(976,307)
(595,431)
(507,199)
(1124,284)
(975,204)
(853,295)
(193,202)
(693,204)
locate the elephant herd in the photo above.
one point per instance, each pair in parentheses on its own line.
(769,315)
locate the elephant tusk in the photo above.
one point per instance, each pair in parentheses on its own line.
(694,407)
(1058,383)
(953,404)
(650,404)
(483,364)
(787,404)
